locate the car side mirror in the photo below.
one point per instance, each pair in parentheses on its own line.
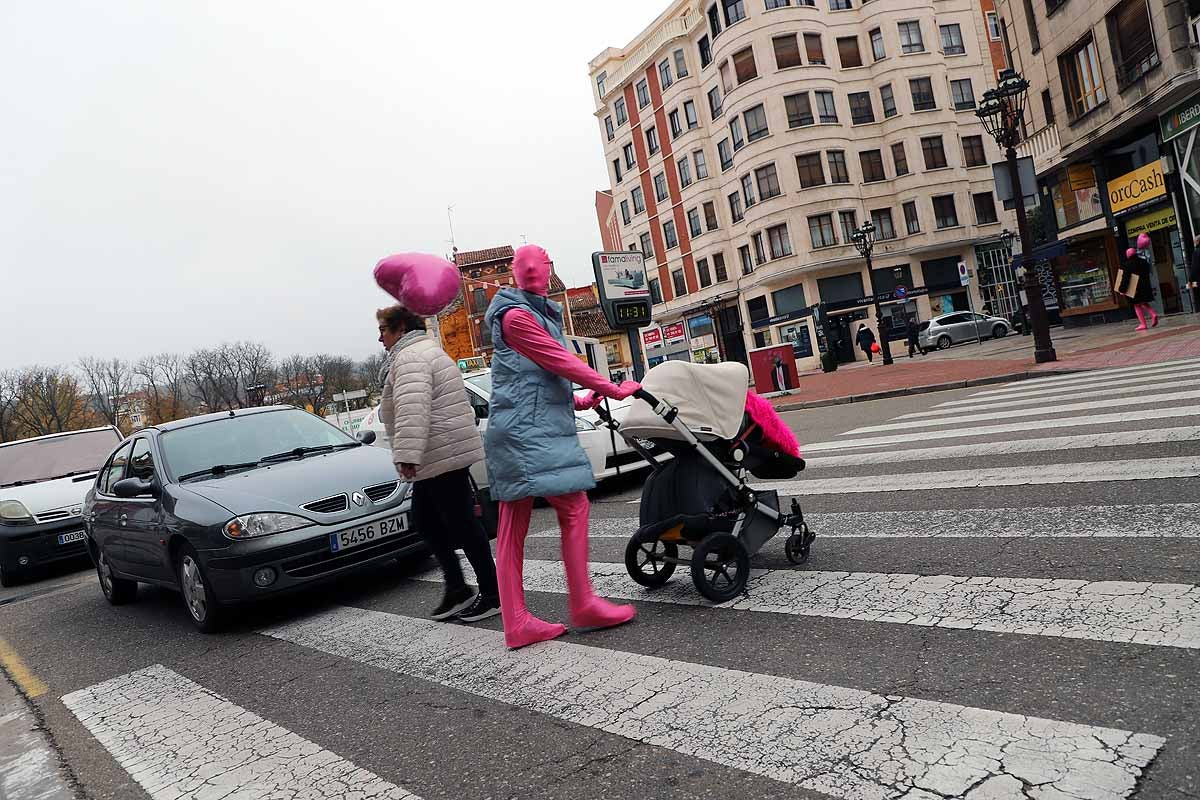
(366,437)
(135,487)
(481,412)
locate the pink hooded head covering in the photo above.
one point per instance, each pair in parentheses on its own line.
(531,268)
(1143,241)
(422,283)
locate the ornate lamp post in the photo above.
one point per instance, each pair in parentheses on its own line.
(1001,112)
(864,242)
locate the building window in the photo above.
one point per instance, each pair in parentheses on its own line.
(625,211)
(652,139)
(952,41)
(660,187)
(877,51)
(705,48)
(826,108)
(813,49)
(1047,107)
(840,5)
(701,165)
(619,110)
(744,256)
(799,110)
(748,190)
(610,132)
(678,282)
(756,123)
(617,170)
(630,159)
(935,154)
(726,76)
(912,221)
(714,102)
(756,310)
(693,218)
(725,151)
(735,133)
(685,172)
(1035,43)
(820,229)
(963,94)
(993,26)
(944,212)
(922,94)
(888,99)
(702,272)
(787,51)
(710,215)
(689,114)
(600,79)
(639,202)
(985,208)
(719,270)
(643,93)
(779,241)
(669,235)
(735,207)
(1132,40)
(872,166)
(861,109)
(681,69)
(744,66)
(714,20)
(664,74)
(810,170)
(673,120)
(647,245)
(656,297)
(910,37)
(768,182)
(881,218)
(479,300)
(849,223)
(735,11)
(899,159)
(848,53)
(837,167)
(1083,85)
(760,251)
(773,4)
(973,154)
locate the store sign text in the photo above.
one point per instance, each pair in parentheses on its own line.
(1137,187)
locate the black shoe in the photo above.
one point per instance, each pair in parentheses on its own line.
(482,608)
(452,603)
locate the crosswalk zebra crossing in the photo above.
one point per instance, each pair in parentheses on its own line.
(1094,487)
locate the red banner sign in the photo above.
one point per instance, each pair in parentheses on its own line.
(652,337)
(673,333)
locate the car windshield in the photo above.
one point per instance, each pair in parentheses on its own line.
(245,439)
(35,460)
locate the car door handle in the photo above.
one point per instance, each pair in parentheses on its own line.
(123,519)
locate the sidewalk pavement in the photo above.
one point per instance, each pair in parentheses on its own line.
(29,768)
(998,361)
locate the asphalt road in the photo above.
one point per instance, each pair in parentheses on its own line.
(987,613)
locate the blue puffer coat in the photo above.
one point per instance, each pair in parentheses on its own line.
(532,447)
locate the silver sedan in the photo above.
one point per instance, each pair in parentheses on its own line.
(961,326)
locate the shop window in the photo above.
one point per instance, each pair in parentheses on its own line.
(757,311)
(1075,195)
(1083,85)
(1132,39)
(841,288)
(1083,275)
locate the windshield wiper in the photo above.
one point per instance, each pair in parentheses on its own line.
(301,452)
(73,473)
(219,469)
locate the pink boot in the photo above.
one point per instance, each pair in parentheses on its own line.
(520,627)
(586,609)
(1153,316)
(1141,315)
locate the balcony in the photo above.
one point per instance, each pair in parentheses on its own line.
(1044,147)
(1136,65)
(671,29)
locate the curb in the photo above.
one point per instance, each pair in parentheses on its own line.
(926,389)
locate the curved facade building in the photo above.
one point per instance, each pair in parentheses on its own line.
(746,139)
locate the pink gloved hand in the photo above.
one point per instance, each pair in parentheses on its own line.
(625,389)
(588,400)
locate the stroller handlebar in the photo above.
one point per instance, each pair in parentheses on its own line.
(643,395)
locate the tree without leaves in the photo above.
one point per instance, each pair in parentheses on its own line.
(368,372)
(110,382)
(164,377)
(8,402)
(50,401)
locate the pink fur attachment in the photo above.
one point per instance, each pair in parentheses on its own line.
(775,430)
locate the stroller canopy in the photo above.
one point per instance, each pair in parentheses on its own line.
(711,399)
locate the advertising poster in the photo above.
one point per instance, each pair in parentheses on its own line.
(774,369)
(673,333)
(624,275)
(652,337)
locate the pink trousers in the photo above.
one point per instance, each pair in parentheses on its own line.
(585,608)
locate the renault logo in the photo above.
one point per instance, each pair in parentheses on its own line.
(358,499)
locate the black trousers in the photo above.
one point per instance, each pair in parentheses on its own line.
(444,513)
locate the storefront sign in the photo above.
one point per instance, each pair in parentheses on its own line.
(1162,217)
(767,322)
(652,337)
(673,333)
(1081,176)
(1135,188)
(1180,119)
(884,298)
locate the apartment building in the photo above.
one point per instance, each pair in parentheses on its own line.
(747,139)
(1111,128)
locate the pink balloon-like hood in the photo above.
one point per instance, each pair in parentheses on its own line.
(422,283)
(531,268)
(1143,241)
(1130,253)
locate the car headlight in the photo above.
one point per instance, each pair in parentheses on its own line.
(251,526)
(582,425)
(14,511)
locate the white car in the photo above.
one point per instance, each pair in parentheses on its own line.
(609,453)
(962,326)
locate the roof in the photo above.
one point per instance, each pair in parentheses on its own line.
(581,297)
(556,284)
(590,322)
(466,258)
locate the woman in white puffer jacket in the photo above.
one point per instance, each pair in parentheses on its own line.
(434,441)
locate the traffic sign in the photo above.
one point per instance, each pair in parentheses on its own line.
(901,292)
(964,276)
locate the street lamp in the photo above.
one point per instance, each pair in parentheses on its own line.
(1001,113)
(864,242)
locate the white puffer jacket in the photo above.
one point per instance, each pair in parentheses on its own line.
(425,411)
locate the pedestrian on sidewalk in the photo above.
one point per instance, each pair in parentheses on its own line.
(866,338)
(434,441)
(1143,294)
(1194,275)
(914,338)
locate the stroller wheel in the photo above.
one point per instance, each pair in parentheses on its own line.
(646,561)
(796,549)
(720,567)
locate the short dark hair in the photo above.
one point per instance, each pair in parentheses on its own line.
(399,319)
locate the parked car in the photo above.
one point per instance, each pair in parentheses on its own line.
(608,452)
(43,482)
(961,326)
(237,506)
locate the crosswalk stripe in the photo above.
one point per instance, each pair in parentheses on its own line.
(1089,420)
(845,742)
(180,741)
(1160,375)
(1067,408)
(1148,521)
(1146,389)
(1091,375)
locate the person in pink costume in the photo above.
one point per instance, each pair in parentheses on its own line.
(1144,293)
(533,448)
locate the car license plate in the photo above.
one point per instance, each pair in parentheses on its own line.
(73,536)
(365,534)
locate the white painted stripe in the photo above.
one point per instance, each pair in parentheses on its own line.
(1107,391)
(843,742)
(1017,391)
(1037,475)
(179,740)
(1077,377)
(1160,614)
(1156,414)
(1092,405)
(1168,521)
(1087,441)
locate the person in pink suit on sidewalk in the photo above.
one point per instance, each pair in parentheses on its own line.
(533,450)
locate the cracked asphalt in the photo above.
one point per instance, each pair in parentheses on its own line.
(872,671)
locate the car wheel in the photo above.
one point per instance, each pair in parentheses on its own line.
(999,332)
(198,596)
(117,591)
(944,342)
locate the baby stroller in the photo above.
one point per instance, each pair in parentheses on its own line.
(717,435)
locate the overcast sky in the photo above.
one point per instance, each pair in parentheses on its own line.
(178,174)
